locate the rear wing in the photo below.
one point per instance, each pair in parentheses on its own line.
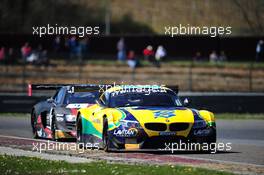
(174,88)
(72,87)
(80,87)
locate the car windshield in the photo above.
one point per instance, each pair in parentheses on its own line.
(81,97)
(168,99)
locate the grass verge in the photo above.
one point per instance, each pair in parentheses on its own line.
(28,165)
(235,116)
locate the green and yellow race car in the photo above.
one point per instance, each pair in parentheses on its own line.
(142,118)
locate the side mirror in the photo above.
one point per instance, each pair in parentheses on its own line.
(50,100)
(186,102)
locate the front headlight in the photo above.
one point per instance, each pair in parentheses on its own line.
(70,118)
(199,124)
(130,124)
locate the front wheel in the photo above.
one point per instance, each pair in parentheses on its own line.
(211,142)
(53,128)
(80,139)
(33,125)
(105,137)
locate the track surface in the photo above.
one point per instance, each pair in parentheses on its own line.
(246,137)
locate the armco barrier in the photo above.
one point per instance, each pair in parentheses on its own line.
(227,102)
(216,102)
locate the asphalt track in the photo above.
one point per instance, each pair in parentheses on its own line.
(246,138)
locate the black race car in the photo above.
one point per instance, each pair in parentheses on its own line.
(55,118)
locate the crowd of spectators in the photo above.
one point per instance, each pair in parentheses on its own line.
(36,56)
(77,48)
(6,55)
(133,61)
(69,48)
(156,56)
(213,57)
(26,54)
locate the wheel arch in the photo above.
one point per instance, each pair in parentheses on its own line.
(207,115)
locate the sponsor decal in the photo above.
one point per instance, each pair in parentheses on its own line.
(201,132)
(77,105)
(164,133)
(164,114)
(126,132)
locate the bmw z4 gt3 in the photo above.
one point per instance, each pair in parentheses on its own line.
(138,119)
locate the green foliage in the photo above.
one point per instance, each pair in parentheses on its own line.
(234,116)
(19,16)
(26,165)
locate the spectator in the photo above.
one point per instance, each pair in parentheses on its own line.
(131,59)
(25,51)
(32,58)
(66,42)
(41,56)
(259,50)
(121,50)
(10,59)
(160,54)
(44,58)
(197,56)
(222,56)
(79,51)
(72,43)
(213,57)
(2,55)
(57,44)
(148,53)
(84,44)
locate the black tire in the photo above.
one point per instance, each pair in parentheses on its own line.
(53,128)
(79,135)
(33,125)
(212,142)
(106,143)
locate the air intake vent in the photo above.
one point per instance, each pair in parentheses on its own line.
(178,126)
(156,126)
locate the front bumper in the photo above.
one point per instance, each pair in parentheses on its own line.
(143,141)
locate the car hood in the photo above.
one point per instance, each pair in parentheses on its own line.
(158,114)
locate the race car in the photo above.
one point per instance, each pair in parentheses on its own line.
(140,118)
(55,118)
